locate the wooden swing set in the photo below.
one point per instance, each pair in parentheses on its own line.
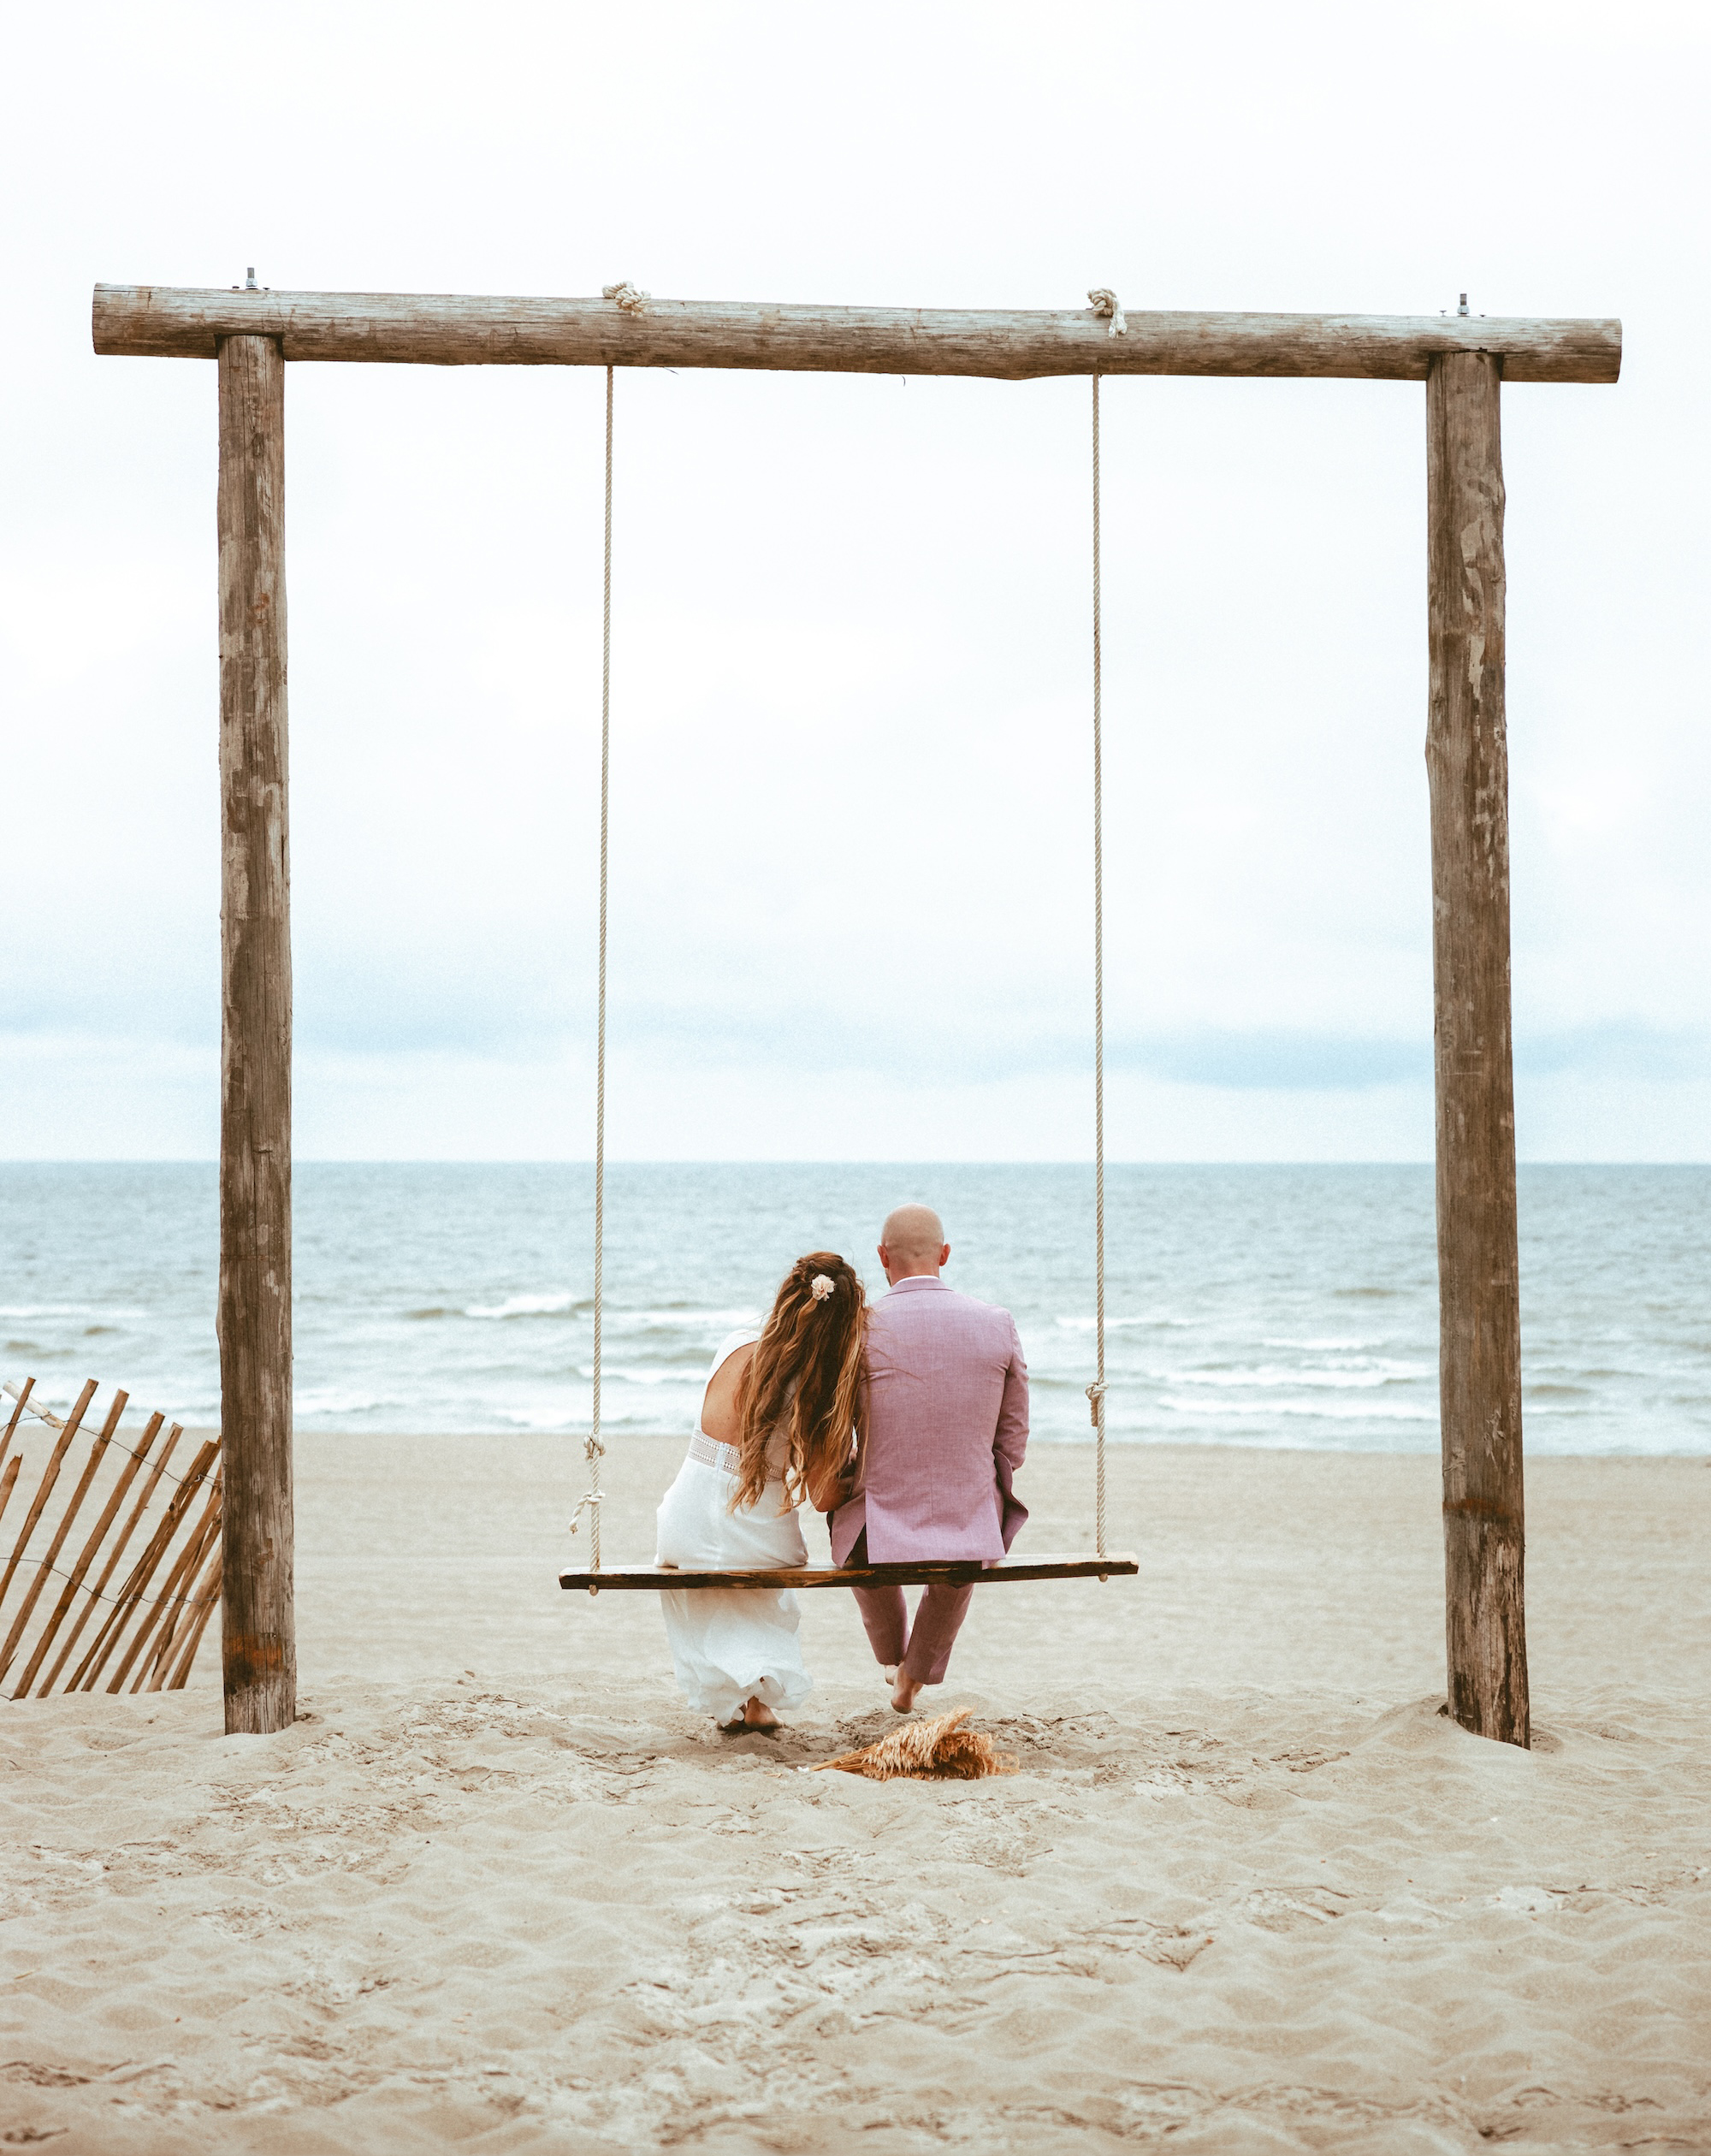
(1463,360)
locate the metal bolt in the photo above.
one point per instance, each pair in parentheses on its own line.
(1462,309)
(252,286)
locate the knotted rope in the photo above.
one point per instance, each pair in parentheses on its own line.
(1106,303)
(629,297)
(594,1451)
(1096,1391)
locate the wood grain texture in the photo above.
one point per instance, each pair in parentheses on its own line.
(121,1542)
(135,1594)
(68,1431)
(181,1674)
(189,1636)
(259,1637)
(22,1398)
(446,330)
(91,1550)
(157,1632)
(1479,1353)
(162,1609)
(46,1563)
(651,1579)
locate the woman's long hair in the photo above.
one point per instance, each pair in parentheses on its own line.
(806,1375)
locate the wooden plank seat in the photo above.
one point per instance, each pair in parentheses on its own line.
(956,1572)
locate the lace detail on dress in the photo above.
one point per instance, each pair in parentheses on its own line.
(711,1453)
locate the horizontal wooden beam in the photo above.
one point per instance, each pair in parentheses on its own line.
(930,1572)
(437,330)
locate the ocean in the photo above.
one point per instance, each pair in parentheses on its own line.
(1283,1307)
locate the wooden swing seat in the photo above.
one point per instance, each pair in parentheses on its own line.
(947,1572)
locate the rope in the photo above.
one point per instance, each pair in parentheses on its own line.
(57,1422)
(141,1601)
(594,1451)
(1107,304)
(1096,1391)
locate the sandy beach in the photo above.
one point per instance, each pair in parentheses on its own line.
(1248,1890)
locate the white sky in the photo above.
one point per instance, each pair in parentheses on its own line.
(850,887)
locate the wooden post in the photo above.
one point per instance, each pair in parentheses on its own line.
(260,1647)
(1479,1322)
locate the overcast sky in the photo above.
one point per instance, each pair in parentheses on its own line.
(850,820)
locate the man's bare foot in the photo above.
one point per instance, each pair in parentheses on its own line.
(758,1715)
(905,1696)
(889,1672)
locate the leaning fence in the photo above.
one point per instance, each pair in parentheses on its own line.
(95,1493)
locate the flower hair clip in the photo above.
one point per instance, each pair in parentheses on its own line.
(823,1285)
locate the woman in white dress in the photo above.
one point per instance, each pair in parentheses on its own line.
(777,1424)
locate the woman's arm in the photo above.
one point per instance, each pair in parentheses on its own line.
(834,1483)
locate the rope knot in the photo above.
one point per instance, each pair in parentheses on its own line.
(590,1503)
(592,1500)
(1096,1399)
(629,297)
(1107,306)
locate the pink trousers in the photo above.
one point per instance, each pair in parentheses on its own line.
(920,1651)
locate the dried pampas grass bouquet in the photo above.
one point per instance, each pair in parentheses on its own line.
(936,1751)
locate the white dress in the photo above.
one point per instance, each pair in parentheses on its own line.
(731,1644)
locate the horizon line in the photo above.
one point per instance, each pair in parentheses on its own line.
(211,1160)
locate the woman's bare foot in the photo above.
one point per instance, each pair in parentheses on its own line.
(905,1696)
(758,1715)
(889,1672)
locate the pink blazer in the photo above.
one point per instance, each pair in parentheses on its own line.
(946,1422)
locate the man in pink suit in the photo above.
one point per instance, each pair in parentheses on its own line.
(945,1417)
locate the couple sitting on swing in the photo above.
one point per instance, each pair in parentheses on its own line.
(904,1423)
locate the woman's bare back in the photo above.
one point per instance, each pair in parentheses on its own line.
(721,1418)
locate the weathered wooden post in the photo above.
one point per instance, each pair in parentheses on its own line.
(257,1613)
(1479,1316)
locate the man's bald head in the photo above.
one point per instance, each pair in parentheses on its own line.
(911,1242)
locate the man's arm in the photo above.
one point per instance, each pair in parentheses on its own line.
(1009,1440)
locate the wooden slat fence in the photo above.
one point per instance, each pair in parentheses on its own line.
(64,1587)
